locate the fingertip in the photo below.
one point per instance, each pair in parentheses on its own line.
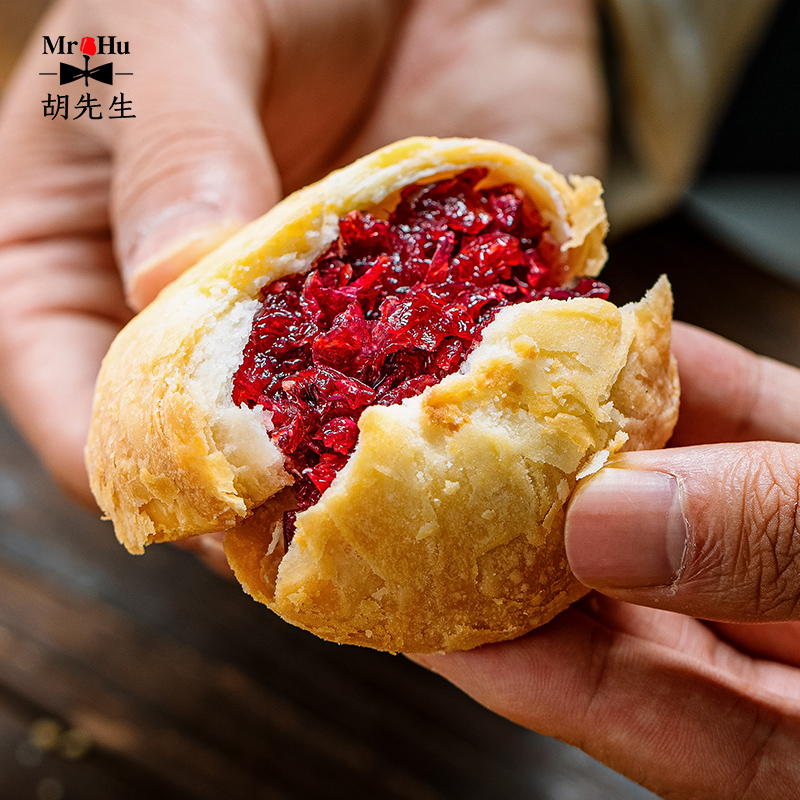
(435,662)
(209,549)
(177,198)
(169,250)
(706,531)
(626,529)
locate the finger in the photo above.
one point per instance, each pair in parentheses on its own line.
(193,165)
(61,302)
(681,725)
(208,548)
(777,641)
(774,641)
(502,51)
(730,394)
(61,306)
(709,531)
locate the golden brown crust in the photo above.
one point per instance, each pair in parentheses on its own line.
(444,530)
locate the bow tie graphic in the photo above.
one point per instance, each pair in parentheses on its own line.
(104,73)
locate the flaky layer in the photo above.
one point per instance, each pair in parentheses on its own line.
(445,529)
(169,455)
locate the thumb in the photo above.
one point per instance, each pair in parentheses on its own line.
(708,531)
(193,165)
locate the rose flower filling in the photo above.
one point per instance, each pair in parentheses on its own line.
(391,307)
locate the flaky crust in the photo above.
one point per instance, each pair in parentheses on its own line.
(445,528)
(444,531)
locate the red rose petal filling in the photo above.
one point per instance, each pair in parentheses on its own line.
(391,307)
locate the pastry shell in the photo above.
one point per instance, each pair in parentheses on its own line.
(445,528)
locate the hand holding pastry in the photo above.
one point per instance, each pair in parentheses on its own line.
(705,530)
(95,218)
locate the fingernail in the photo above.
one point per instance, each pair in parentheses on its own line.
(626,529)
(176,241)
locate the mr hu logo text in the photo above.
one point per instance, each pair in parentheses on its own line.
(59,106)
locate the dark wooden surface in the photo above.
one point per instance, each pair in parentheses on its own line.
(149,677)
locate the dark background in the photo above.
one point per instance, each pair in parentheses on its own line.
(761,129)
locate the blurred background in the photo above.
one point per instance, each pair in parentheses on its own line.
(748,192)
(126,677)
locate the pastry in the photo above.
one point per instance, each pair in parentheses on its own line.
(385,391)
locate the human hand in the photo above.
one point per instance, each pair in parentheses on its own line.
(236,102)
(705,530)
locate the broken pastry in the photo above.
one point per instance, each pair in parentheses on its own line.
(385,391)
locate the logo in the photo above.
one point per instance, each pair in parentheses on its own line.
(58,106)
(103,73)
